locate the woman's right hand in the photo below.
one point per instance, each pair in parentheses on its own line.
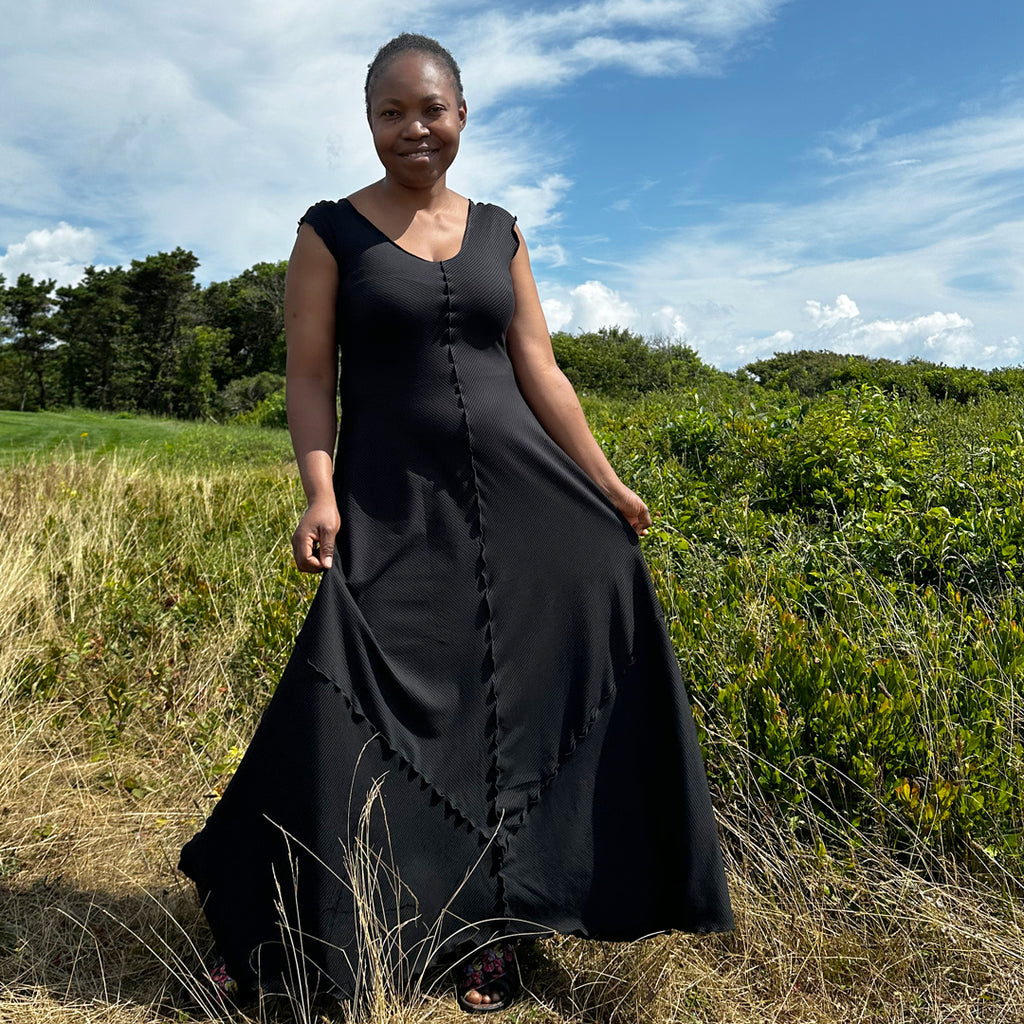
(313,539)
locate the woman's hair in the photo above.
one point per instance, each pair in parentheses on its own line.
(410,42)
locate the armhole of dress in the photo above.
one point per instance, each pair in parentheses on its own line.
(515,238)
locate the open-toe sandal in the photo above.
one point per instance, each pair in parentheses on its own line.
(227,992)
(494,971)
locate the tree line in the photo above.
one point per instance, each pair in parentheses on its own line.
(148,338)
(143,338)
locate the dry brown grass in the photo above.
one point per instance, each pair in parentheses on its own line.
(98,927)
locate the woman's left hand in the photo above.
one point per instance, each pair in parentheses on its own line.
(632,507)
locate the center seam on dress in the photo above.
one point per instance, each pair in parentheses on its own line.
(494,723)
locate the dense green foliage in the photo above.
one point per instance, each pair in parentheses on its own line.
(843,580)
(812,374)
(145,338)
(618,363)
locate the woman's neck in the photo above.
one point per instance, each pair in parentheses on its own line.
(394,194)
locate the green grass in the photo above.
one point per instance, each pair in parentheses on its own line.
(845,597)
(164,443)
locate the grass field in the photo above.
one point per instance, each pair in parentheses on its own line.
(147,607)
(166,443)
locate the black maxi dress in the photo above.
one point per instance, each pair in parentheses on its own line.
(487,655)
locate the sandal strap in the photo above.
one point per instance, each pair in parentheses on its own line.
(489,965)
(222,980)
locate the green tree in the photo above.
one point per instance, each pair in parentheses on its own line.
(194,384)
(251,307)
(164,295)
(9,370)
(95,322)
(242,394)
(25,324)
(810,373)
(615,361)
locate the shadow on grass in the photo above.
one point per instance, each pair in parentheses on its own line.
(146,950)
(84,946)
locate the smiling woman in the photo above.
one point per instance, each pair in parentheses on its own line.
(417,112)
(485,653)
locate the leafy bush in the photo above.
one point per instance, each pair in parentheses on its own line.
(844,586)
(270,412)
(615,362)
(244,393)
(813,374)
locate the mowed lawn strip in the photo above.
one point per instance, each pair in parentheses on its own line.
(166,443)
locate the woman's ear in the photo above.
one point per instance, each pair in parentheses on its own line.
(463,109)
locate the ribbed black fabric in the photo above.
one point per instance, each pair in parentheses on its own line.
(488,641)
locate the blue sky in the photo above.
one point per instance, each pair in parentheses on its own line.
(748,176)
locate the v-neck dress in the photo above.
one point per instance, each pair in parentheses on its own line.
(482,729)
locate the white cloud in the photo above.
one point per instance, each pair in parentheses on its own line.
(553,255)
(586,307)
(60,254)
(940,337)
(828,316)
(1008,351)
(748,350)
(560,41)
(666,322)
(536,204)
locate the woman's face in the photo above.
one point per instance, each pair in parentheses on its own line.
(416,117)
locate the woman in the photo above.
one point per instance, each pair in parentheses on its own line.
(485,667)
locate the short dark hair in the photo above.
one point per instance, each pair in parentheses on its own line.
(411,42)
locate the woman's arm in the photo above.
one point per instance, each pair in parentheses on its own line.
(311,384)
(552,398)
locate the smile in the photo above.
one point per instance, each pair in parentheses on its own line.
(417,153)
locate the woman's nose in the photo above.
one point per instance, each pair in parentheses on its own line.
(416,129)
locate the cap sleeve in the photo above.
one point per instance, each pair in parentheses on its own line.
(501,229)
(322,217)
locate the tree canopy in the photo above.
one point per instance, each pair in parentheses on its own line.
(142,338)
(149,338)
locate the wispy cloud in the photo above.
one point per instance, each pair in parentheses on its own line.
(511,49)
(212,127)
(924,230)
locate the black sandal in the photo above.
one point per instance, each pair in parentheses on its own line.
(495,968)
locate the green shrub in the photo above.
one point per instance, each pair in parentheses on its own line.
(813,374)
(270,412)
(244,393)
(617,363)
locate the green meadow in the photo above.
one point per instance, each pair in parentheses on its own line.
(842,573)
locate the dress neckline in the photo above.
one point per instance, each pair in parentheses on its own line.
(388,238)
